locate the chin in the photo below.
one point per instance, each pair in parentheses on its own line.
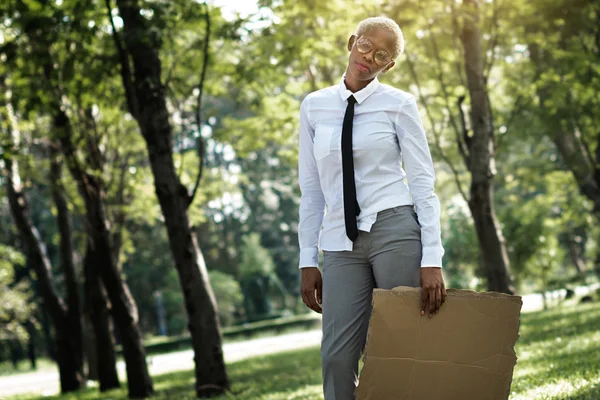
(358,74)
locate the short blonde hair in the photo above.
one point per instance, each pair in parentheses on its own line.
(383,23)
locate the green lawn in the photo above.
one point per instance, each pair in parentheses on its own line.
(559,358)
(43,364)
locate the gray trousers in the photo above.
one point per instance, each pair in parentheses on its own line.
(386,257)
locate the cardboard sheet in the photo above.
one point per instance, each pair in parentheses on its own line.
(465,352)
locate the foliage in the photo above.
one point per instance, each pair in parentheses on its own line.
(258,280)
(461,250)
(256,260)
(228,294)
(15,298)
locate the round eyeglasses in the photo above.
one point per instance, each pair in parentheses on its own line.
(364,45)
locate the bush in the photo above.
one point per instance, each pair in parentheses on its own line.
(228,295)
(304,321)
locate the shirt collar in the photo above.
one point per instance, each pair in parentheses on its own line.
(362,94)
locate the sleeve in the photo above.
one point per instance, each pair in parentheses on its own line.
(418,165)
(312,201)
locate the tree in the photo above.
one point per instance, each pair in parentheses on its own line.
(258,279)
(93,192)
(479,152)
(146,101)
(68,357)
(562,46)
(74,310)
(448,64)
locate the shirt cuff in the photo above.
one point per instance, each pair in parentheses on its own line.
(432,257)
(309,257)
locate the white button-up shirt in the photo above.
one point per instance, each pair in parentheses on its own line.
(387,133)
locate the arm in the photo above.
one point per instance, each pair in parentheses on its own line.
(312,209)
(421,180)
(312,201)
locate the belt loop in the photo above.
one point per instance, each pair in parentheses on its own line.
(396,209)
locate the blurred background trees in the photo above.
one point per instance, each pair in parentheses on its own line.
(64,92)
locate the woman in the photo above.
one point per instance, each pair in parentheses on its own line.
(359,140)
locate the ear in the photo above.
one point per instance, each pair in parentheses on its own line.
(390,65)
(351,41)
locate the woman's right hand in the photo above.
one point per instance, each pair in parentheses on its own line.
(311,288)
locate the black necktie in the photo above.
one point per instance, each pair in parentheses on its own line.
(351,208)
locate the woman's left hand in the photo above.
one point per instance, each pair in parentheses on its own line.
(433,290)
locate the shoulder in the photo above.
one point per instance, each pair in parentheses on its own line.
(397,96)
(325,94)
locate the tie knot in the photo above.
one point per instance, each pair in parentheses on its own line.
(351,100)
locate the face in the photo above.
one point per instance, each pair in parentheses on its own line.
(370,54)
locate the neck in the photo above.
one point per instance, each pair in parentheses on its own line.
(353,84)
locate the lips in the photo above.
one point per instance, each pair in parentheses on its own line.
(362,67)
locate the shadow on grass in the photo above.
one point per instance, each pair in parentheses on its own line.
(569,365)
(562,322)
(252,379)
(560,347)
(284,372)
(587,393)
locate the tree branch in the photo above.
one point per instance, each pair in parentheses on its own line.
(493,43)
(199,139)
(461,146)
(126,75)
(119,215)
(457,45)
(436,134)
(515,111)
(463,122)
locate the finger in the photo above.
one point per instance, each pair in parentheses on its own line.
(320,292)
(431,301)
(423,300)
(313,301)
(316,305)
(438,299)
(443,293)
(305,300)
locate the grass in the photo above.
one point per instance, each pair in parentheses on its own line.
(559,354)
(24,366)
(46,364)
(559,359)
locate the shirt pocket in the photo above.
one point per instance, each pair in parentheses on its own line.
(322,142)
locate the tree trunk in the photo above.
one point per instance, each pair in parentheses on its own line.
(71,377)
(578,160)
(74,321)
(31,348)
(89,345)
(575,255)
(92,190)
(146,102)
(123,307)
(491,241)
(103,356)
(46,328)
(15,353)
(481,157)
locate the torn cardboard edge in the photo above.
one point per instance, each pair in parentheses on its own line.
(473,334)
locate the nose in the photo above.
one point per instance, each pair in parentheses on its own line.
(369,56)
